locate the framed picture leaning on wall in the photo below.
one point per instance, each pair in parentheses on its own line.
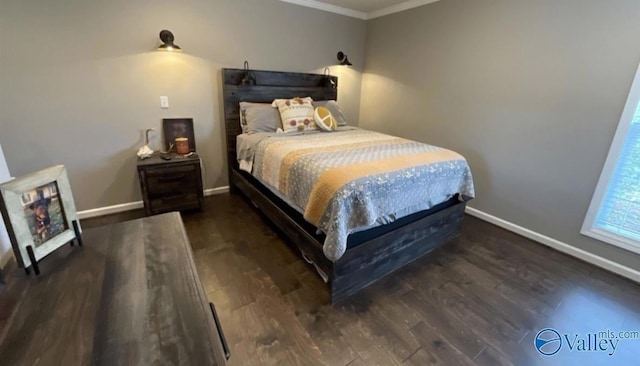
(178,128)
(40,215)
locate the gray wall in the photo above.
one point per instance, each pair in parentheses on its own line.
(529,91)
(80,80)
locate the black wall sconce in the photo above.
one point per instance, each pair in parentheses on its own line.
(343,59)
(167,42)
(249,76)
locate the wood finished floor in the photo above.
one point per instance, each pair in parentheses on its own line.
(479,300)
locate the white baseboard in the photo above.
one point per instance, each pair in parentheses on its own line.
(108,210)
(218,190)
(604,263)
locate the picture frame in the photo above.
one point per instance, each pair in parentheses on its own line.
(39,214)
(178,127)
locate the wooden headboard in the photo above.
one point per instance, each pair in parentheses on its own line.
(269,85)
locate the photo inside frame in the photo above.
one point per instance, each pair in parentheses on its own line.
(178,128)
(44,213)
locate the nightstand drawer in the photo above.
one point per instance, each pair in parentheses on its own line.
(171,180)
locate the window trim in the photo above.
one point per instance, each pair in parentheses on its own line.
(619,138)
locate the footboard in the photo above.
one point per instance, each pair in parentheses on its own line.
(363,265)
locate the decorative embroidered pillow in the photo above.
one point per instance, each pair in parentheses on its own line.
(296,114)
(324,119)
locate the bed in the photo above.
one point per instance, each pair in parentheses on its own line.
(366,255)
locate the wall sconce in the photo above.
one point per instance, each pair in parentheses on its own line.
(249,77)
(167,42)
(328,82)
(343,59)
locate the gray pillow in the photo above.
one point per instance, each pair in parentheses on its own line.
(259,117)
(333,107)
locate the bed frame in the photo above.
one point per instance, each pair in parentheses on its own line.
(371,254)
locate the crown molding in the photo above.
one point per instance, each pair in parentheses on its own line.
(410,4)
(329,7)
(398,8)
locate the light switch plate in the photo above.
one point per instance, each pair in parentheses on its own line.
(164,102)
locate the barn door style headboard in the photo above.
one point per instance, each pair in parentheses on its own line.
(269,85)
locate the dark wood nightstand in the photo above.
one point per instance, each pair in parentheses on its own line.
(170,185)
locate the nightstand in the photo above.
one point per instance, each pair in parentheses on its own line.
(170,185)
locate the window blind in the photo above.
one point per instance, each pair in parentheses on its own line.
(620,209)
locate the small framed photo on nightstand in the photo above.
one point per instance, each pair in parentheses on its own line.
(181,128)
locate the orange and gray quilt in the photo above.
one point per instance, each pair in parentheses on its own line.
(354,179)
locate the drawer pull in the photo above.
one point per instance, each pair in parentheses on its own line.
(174,197)
(171,177)
(225,346)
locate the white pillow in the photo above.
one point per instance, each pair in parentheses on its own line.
(296,114)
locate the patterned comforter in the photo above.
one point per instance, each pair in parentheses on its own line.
(353,179)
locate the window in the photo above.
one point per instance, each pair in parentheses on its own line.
(614,213)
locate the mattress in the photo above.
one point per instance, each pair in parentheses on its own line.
(353,179)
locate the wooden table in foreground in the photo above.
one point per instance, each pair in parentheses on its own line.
(130,296)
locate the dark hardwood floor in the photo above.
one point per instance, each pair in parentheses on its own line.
(479,300)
